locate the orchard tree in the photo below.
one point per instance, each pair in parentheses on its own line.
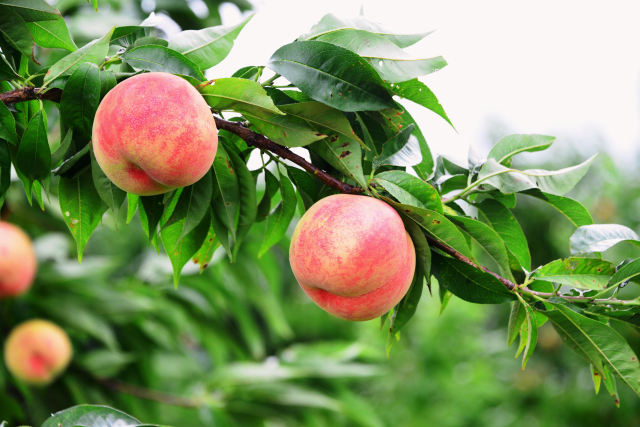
(380,218)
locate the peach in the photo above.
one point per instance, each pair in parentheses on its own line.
(18,262)
(352,256)
(153,133)
(37,351)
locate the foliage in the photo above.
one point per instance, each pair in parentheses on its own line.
(339,106)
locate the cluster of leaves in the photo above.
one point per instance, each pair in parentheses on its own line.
(339,105)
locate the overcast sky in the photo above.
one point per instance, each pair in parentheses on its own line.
(565,68)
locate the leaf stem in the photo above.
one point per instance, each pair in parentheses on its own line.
(271,80)
(258,74)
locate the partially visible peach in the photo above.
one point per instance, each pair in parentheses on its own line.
(352,256)
(153,133)
(18,262)
(37,351)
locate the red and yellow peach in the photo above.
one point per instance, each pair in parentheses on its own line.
(18,263)
(352,256)
(37,351)
(153,133)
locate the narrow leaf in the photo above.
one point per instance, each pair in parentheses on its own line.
(93,52)
(52,34)
(574,211)
(161,59)
(600,237)
(332,75)
(510,145)
(345,156)
(400,150)
(109,193)
(583,273)
(507,227)
(81,207)
(80,100)
(512,181)
(209,46)
(279,220)
(410,190)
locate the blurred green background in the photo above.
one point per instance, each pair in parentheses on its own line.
(241,345)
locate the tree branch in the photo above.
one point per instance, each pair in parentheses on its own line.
(260,141)
(156,396)
(30,93)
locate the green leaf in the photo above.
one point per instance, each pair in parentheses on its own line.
(507,227)
(80,100)
(627,272)
(583,273)
(510,145)
(238,94)
(107,82)
(52,34)
(7,125)
(151,209)
(424,169)
(279,220)
(5,169)
(93,52)
(597,343)
(416,91)
(331,22)
(391,62)
(406,308)
(439,227)
(516,318)
(600,237)
(6,69)
(488,239)
(445,297)
(209,46)
(345,156)
(226,191)
(573,210)
(324,119)
(206,251)
(192,205)
(469,283)
(181,249)
(530,331)
(161,59)
(81,207)
(127,35)
(132,205)
(32,10)
(449,183)
(284,130)
(629,316)
(304,182)
(400,150)
(423,252)
(34,154)
(76,164)
(512,181)
(16,32)
(409,190)
(271,188)
(109,193)
(248,203)
(90,415)
(248,73)
(332,75)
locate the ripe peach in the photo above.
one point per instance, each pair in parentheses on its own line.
(17,261)
(153,133)
(352,256)
(37,351)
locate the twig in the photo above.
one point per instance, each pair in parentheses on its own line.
(156,396)
(30,93)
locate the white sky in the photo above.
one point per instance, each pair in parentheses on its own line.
(565,68)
